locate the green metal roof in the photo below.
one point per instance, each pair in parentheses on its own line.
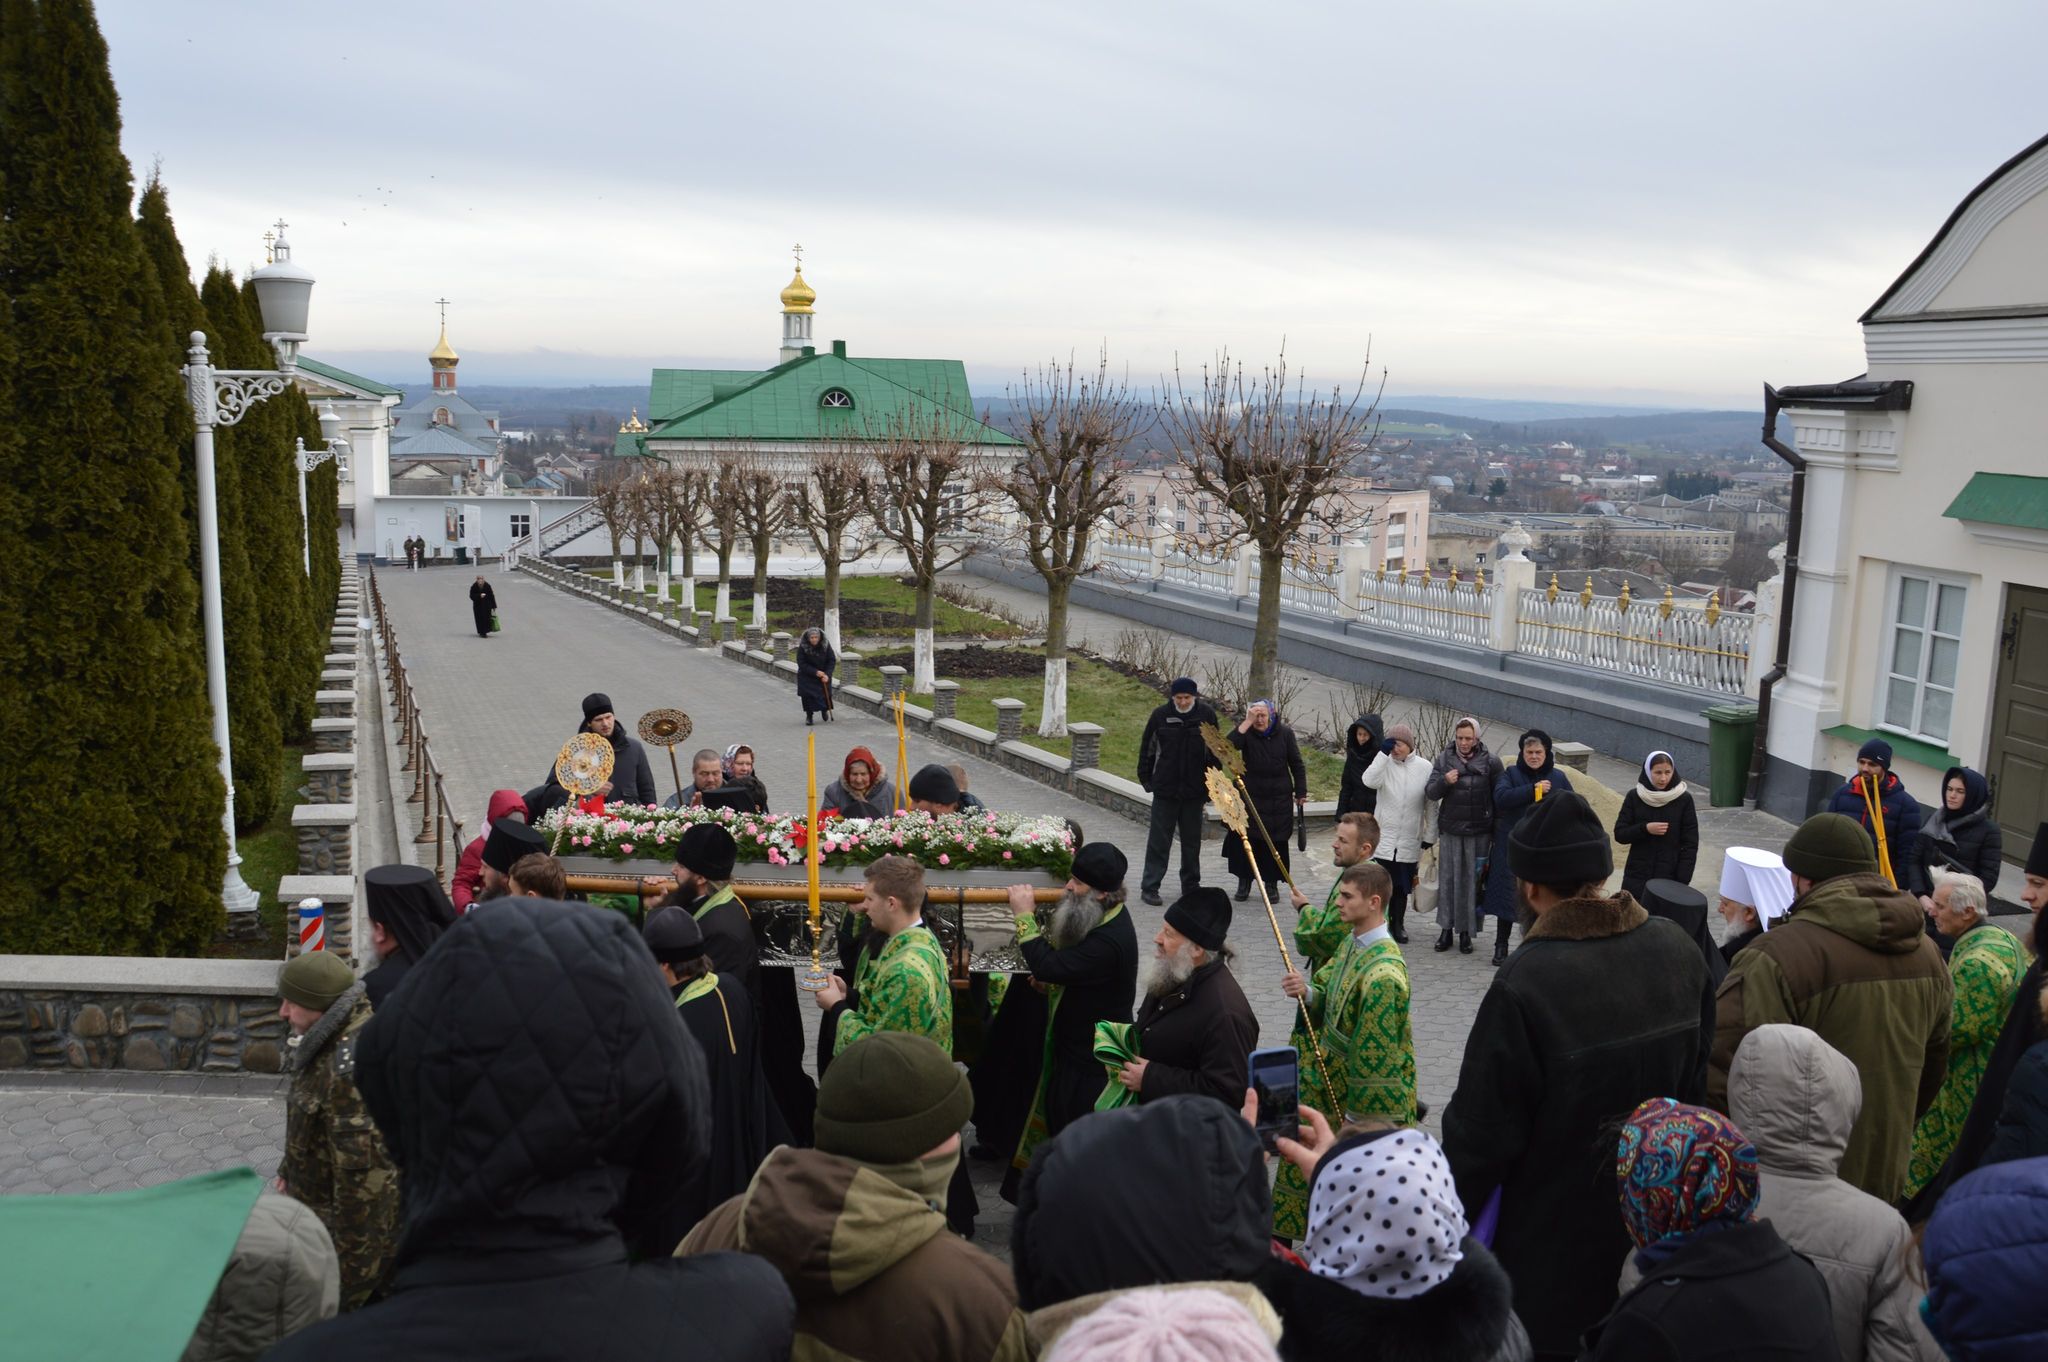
(368,385)
(784,403)
(2002,499)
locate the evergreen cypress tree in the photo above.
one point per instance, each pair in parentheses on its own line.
(323,532)
(289,415)
(111,778)
(255,736)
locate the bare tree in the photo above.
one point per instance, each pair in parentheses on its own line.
(642,512)
(1268,453)
(827,506)
(681,494)
(764,510)
(614,501)
(723,513)
(925,499)
(1071,478)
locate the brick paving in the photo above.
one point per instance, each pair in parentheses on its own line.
(99,1132)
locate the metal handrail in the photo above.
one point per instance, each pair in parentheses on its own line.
(439,826)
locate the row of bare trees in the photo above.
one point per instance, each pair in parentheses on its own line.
(1265,447)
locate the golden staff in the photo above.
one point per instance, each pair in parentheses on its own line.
(814,978)
(666,728)
(902,758)
(1232,760)
(1231,810)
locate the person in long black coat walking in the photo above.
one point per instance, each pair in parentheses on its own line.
(814,663)
(1364,740)
(1659,826)
(483,603)
(1278,783)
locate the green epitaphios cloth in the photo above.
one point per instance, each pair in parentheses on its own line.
(119,1276)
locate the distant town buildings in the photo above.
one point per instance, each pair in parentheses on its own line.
(1394,525)
(1467,540)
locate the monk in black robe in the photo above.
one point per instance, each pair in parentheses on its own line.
(744,1123)
(483,603)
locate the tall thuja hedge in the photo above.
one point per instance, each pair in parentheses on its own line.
(288,606)
(323,520)
(255,734)
(110,782)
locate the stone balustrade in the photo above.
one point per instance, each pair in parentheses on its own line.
(1009,720)
(65,1012)
(945,699)
(331,777)
(893,682)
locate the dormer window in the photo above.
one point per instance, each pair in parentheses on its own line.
(441,417)
(837,399)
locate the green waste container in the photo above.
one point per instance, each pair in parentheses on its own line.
(1731,739)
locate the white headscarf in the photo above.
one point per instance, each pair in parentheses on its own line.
(1384,1217)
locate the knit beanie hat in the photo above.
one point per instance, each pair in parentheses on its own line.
(889,1098)
(2037,858)
(1201,915)
(1402,733)
(1184,685)
(1197,1324)
(315,979)
(707,849)
(596,703)
(1877,750)
(935,785)
(1830,844)
(1560,841)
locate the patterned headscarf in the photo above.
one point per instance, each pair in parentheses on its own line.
(1681,1168)
(1384,1218)
(730,754)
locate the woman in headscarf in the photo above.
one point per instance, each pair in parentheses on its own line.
(1708,1279)
(1278,784)
(1393,1271)
(1533,776)
(860,791)
(1960,835)
(814,663)
(1659,826)
(738,764)
(407,912)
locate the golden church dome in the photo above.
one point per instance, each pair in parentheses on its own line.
(799,296)
(443,354)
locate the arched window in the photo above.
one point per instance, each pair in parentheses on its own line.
(837,399)
(441,417)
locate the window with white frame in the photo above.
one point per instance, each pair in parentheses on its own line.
(1923,640)
(522,524)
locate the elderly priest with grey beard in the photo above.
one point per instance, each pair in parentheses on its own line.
(1086,956)
(1195,1031)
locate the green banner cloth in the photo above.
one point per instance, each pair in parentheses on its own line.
(1116,1044)
(117,1276)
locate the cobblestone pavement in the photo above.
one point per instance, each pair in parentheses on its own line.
(106,1131)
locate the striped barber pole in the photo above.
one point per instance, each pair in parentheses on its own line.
(312,925)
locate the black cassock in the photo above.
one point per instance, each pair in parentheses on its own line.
(744,1124)
(483,603)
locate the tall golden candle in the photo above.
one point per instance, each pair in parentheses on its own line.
(902,759)
(816,976)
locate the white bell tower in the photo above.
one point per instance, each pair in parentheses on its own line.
(797,301)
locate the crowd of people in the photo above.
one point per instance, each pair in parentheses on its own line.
(536,1128)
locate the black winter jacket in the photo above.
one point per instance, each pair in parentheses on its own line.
(1968,840)
(1198,1039)
(2022,1131)
(632,776)
(1172,758)
(1468,1318)
(1274,775)
(1670,857)
(545,1106)
(1601,1007)
(1467,808)
(1734,1293)
(1353,794)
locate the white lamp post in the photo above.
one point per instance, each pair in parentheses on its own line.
(220,397)
(306,460)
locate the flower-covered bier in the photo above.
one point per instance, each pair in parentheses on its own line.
(954,841)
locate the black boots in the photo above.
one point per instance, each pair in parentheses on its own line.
(1443,939)
(1244,888)
(1464,943)
(1500,940)
(1397,924)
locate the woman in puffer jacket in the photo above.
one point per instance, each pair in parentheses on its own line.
(1402,779)
(1987,1255)
(1960,835)
(1659,826)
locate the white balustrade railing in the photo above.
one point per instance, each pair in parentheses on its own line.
(1183,569)
(1459,612)
(1704,650)
(1125,556)
(1311,590)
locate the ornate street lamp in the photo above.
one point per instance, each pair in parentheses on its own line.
(306,460)
(221,397)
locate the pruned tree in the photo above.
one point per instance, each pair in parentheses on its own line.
(724,516)
(1268,449)
(1076,429)
(764,510)
(643,512)
(614,498)
(924,496)
(681,494)
(827,505)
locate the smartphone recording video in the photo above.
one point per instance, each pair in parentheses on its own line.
(1275,1080)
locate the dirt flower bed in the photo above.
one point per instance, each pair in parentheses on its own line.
(972,663)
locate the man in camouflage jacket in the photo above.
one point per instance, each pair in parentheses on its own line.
(334,1159)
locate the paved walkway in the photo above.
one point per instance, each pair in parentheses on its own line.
(103,1131)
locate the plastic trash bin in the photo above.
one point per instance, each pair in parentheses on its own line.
(1731,739)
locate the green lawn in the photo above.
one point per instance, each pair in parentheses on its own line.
(267,857)
(1097,694)
(877,593)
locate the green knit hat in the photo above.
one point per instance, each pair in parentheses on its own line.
(315,979)
(1830,844)
(890,1098)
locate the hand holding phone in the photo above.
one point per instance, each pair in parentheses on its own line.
(1276,1082)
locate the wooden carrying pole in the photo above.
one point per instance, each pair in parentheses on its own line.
(783,892)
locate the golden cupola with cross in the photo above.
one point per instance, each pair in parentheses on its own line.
(798,303)
(442,357)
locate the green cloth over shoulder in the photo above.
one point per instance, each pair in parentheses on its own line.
(1116,1044)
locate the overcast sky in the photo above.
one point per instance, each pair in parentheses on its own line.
(1625,202)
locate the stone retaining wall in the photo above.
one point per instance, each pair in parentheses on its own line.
(194,1016)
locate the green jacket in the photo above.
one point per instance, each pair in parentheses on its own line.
(1853,964)
(334,1159)
(904,986)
